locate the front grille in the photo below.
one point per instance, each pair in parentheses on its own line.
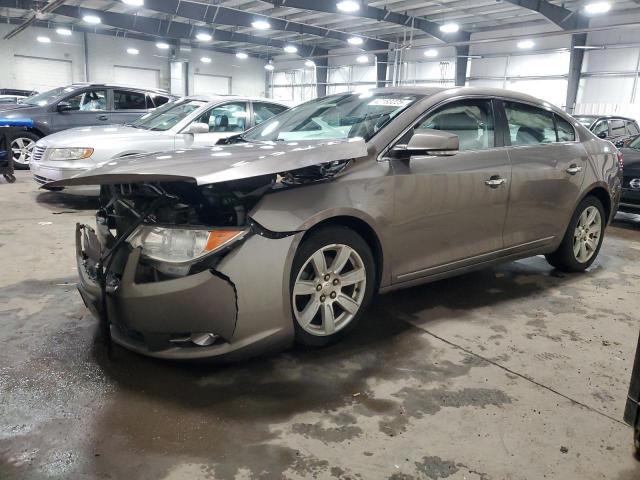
(38,153)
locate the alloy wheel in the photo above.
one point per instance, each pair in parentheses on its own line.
(22,149)
(586,236)
(329,290)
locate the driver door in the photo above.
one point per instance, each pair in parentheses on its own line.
(446,215)
(223,120)
(88,107)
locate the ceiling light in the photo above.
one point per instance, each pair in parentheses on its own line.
(92,19)
(163,46)
(431,53)
(63,31)
(449,28)
(310,63)
(269,67)
(261,25)
(525,44)
(134,3)
(205,60)
(290,49)
(242,55)
(362,59)
(355,41)
(204,37)
(44,39)
(597,7)
(348,6)
(133,51)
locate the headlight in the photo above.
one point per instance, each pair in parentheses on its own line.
(61,154)
(181,245)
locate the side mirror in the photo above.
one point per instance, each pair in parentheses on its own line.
(65,107)
(429,142)
(197,127)
(602,135)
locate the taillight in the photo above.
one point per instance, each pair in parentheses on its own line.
(620,159)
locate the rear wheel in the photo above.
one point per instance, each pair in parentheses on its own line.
(22,147)
(583,239)
(332,283)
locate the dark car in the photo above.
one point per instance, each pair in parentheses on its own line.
(632,410)
(630,200)
(17,92)
(618,130)
(77,105)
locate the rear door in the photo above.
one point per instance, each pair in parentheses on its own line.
(263,111)
(128,105)
(548,165)
(88,107)
(450,210)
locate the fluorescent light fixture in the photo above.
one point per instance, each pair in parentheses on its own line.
(63,31)
(355,41)
(348,6)
(92,19)
(596,8)
(133,51)
(261,25)
(205,60)
(134,3)
(44,39)
(449,28)
(588,47)
(310,63)
(290,48)
(163,46)
(204,37)
(242,55)
(269,67)
(526,44)
(431,53)
(362,59)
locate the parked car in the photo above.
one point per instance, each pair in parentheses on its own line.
(630,199)
(8,99)
(77,105)
(189,122)
(297,223)
(632,407)
(619,130)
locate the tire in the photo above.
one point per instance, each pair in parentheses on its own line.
(21,147)
(341,293)
(565,257)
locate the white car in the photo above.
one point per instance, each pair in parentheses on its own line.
(190,122)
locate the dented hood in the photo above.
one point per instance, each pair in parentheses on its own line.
(220,163)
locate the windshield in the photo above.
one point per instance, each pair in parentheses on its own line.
(334,118)
(168,115)
(586,121)
(45,98)
(635,143)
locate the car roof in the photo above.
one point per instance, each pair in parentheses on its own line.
(117,85)
(605,117)
(223,98)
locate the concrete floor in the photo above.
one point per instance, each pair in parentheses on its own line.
(516,372)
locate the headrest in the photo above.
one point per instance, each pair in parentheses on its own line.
(456,122)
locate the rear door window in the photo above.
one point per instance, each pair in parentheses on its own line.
(618,128)
(566,133)
(264,111)
(529,125)
(229,117)
(632,128)
(128,100)
(601,127)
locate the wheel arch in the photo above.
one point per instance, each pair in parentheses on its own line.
(362,228)
(601,193)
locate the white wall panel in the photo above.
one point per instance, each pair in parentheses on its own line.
(610,90)
(552,90)
(41,74)
(613,59)
(139,77)
(211,84)
(556,63)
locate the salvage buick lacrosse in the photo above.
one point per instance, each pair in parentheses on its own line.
(287,232)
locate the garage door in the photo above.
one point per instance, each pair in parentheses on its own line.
(136,77)
(212,84)
(41,74)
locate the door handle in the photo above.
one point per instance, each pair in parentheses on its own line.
(573,169)
(495,181)
(103,117)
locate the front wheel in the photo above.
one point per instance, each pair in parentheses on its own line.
(332,282)
(583,239)
(22,147)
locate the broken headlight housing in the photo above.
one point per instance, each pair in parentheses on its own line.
(174,250)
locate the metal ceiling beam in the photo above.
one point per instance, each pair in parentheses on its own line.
(38,9)
(219,15)
(177,30)
(561,16)
(379,14)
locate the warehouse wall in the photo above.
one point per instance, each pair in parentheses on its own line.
(109,62)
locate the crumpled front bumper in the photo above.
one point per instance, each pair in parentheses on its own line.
(154,318)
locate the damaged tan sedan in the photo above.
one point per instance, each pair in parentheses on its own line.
(287,232)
